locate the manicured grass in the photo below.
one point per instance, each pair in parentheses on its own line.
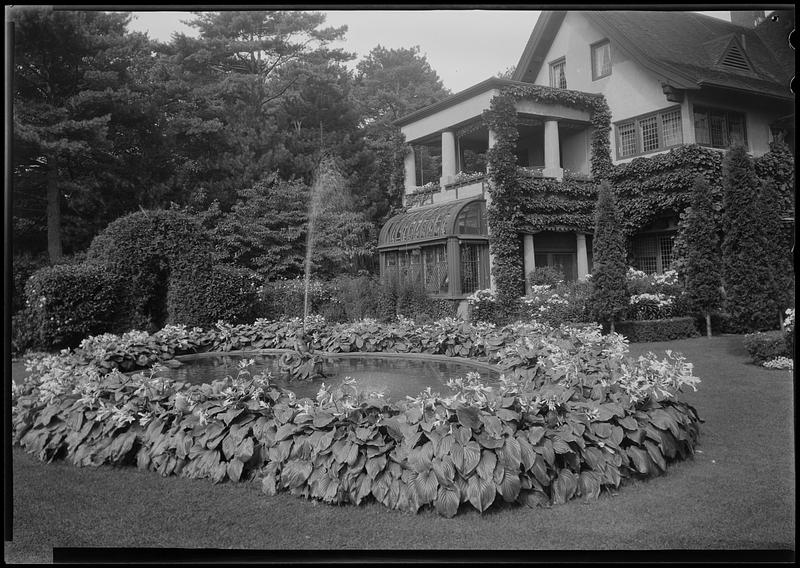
(738,493)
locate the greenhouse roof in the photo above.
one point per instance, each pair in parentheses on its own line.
(434,222)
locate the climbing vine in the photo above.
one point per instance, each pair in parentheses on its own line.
(521,202)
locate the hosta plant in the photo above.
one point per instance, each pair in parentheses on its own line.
(572,416)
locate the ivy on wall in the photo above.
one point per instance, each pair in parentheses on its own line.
(522,203)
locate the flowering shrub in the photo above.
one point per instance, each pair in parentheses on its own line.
(788,322)
(767,345)
(650,306)
(779,363)
(572,415)
(462,177)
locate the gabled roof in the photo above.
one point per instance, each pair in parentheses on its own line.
(686,50)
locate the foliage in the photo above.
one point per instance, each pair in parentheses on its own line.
(411,300)
(703,260)
(67,302)
(647,187)
(777,262)
(147,250)
(566,302)
(745,259)
(573,417)
(22,266)
(779,363)
(546,276)
(227,293)
(765,346)
(552,205)
(665,329)
(610,296)
(84,129)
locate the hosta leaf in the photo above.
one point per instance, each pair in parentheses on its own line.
(472,456)
(322,419)
(655,454)
(594,458)
(447,501)
(507,415)
(492,425)
(352,454)
(443,445)
(285,431)
(228,447)
(663,420)
(564,486)
(244,451)
(535,435)
(527,455)
(462,435)
(629,423)
(480,492)
(489,442)
(611,475)
(444,469)
(533,498)
(375,465)
(324,442)
(363,486)
(589,484)
(234,469)
(232,413)
(636,436)
(617,434)
(468,417)
(295,473)
(509,485)
(639,458)
(601,429)
(486,465)
(425,486)
(547,451)
(380,487)
(280,452)
(560,446)
(512,454)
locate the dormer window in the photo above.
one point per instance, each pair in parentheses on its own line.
(558,73)
(601,59)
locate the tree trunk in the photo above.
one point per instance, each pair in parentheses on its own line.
(611,329)
(708,324)
(53,214)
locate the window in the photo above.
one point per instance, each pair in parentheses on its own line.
(653,253)
(601,60)
(435,269)
(566,262)
(558,76)
(719,128)
(474,267)
(649,133)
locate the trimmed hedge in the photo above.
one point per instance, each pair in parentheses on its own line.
(542,437)
(767,345)
(228,293)
(148,251)
(642,331)
(67,302)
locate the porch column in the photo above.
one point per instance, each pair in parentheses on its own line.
(528,262)
(410,170)
(552,157)
(583,257)
(453,267)
(488,198)
(448,157)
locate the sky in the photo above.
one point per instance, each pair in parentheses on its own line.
(464,47)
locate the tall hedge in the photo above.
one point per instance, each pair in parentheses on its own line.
(702,268)
(778,275)
(744,247)
(67,302)
(151,251)
(610,296)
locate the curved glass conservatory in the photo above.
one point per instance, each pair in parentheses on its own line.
(443,246)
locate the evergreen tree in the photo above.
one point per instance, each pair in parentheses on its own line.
(610,296)
(702,264)
(777,260)
(744,248)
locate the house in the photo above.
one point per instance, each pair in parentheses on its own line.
(668,78)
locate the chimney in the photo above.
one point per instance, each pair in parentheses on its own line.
(747,18)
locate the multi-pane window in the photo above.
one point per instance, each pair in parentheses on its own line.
(653,253)
(601,60)
(558,74)
(435,269)
(474,267)
(649,133)
(719,128)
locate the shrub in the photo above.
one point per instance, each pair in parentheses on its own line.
(286,298)
(22,266)
(658,330)
(546,276)
(764,346)
(149,251)
(609,298)
(357,297)
(574,416)
(411,300)
(24,334)
(67,302)
(229,294)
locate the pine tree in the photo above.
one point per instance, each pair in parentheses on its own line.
(744,250)
(702,270)
(777,259)
(610,294)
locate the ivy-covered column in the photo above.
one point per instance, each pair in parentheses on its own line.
(528,260)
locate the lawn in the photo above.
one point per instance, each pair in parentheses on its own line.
(737,493)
